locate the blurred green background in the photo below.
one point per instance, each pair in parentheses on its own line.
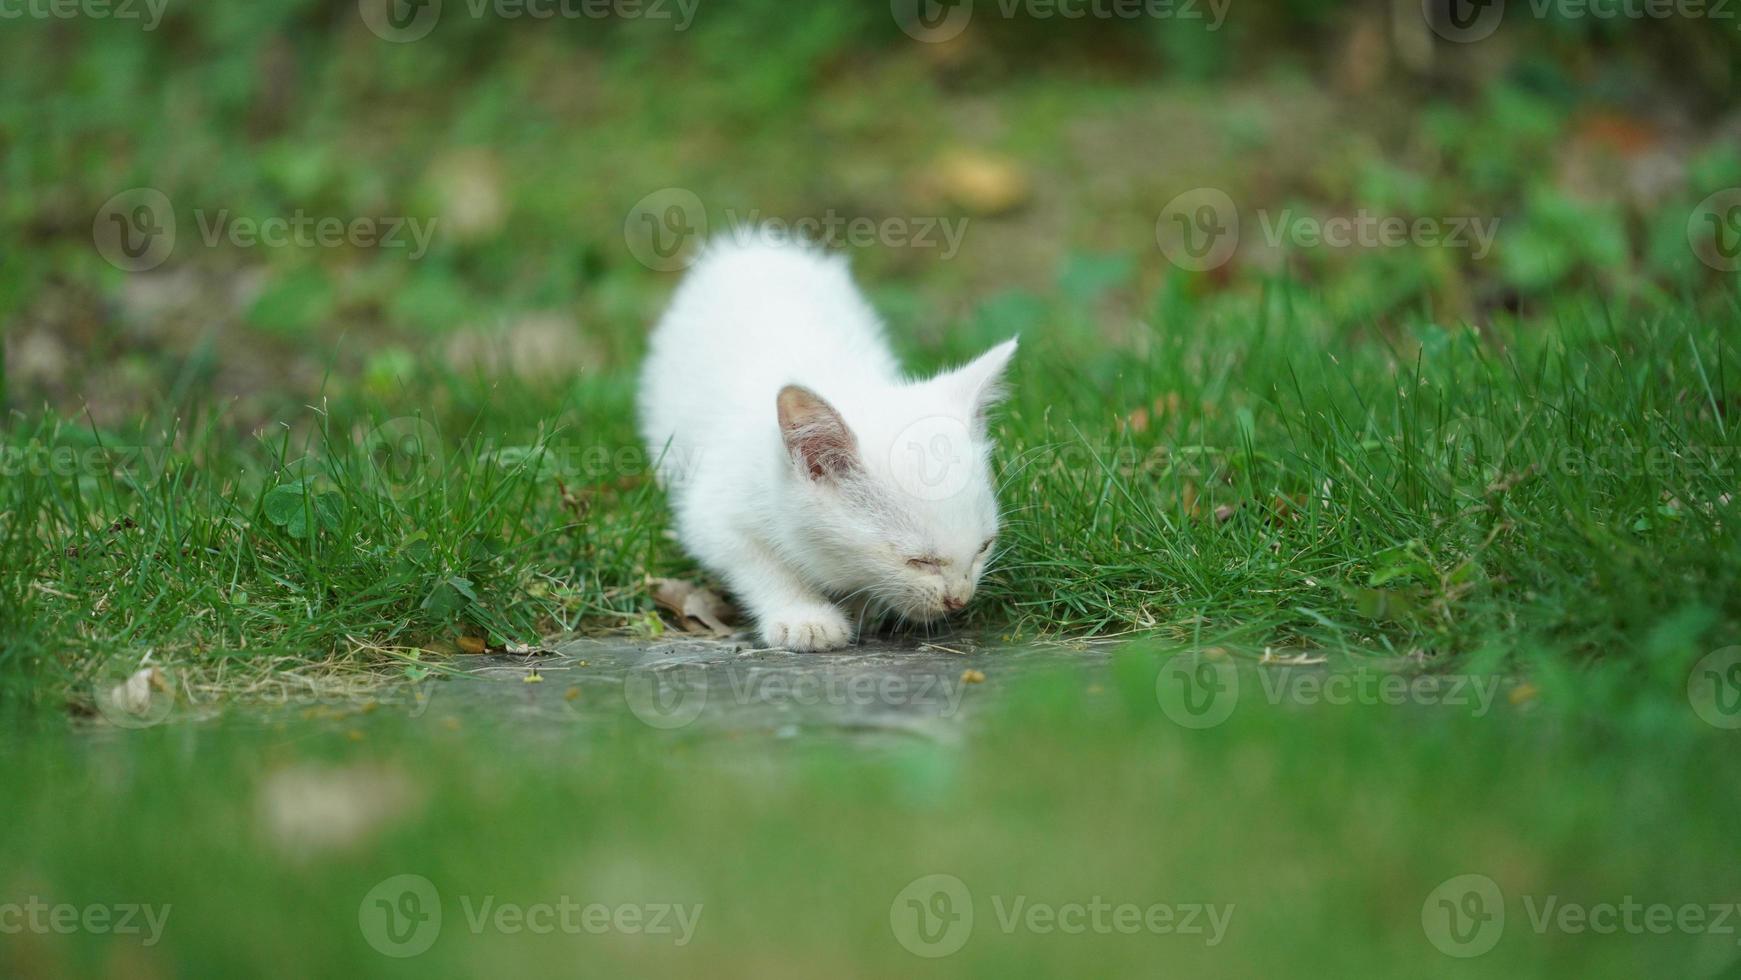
(528,143)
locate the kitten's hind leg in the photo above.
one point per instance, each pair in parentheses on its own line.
(789,614)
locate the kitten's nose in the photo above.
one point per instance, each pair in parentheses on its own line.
(952,603)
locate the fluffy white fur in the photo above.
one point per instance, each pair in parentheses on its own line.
(803,467)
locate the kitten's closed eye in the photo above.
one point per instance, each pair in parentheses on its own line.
(987,545)
(927,564)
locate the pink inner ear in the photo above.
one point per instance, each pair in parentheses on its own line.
(824,454)
(815,434)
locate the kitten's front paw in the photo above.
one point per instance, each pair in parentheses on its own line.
(807,628)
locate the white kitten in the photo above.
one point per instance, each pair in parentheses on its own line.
(803,468)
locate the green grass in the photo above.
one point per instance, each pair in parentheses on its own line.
(1225,476)
(1398,483)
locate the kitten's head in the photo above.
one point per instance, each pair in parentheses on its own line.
(897,503)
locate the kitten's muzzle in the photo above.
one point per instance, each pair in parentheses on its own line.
(954,602)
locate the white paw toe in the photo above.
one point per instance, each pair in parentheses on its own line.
(807,632)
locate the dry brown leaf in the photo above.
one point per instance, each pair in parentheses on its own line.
(1287,508)
(698,610)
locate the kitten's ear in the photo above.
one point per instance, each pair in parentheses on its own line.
(981,380)
(815,434)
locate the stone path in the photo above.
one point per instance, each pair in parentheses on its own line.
(879,689)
